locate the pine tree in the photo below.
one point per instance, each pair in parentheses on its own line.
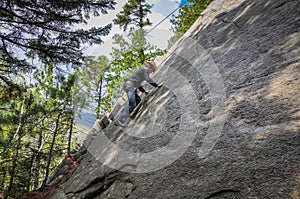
(93,80)
(45,30)
(36,131)
(134,12)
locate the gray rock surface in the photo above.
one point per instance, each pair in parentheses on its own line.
(226,124)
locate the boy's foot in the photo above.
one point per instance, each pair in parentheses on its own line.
(119,123)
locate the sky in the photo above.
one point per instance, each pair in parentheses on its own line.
(158,37)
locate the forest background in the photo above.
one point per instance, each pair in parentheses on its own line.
(47,77)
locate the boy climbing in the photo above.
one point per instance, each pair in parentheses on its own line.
(131,85)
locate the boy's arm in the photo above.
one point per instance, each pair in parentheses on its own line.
(150,81)
(142,89)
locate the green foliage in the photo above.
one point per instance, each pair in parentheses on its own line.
(45,30)
(92,84)
(128,54)
(27,130)
(37,117)
(127,58)
(101,80)
(134,12)
(186,18)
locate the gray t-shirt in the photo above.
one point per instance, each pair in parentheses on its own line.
(139,76)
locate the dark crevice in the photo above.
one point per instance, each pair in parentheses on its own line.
(133,189)
(278,6)
(233,22)
(225,21)
(218,193)
(95,193)
(100,185)
(96,181)
(236,25)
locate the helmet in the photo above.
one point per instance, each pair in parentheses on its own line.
(151,64)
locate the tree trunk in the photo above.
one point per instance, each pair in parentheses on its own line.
(142,34)
(13,170)
(30,172)
(37,162)
(3,173)
(52,147)
(71,131)
(99,85)
(15,158)
(140,15)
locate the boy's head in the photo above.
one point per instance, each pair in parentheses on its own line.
(151,65)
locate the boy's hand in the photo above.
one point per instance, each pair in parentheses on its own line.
(146,92)
(160,85)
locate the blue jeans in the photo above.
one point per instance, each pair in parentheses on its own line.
(133,99)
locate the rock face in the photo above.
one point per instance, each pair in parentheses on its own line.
(226,124)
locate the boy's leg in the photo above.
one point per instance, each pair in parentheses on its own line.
(137,98)
(129,89)
(131,101)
